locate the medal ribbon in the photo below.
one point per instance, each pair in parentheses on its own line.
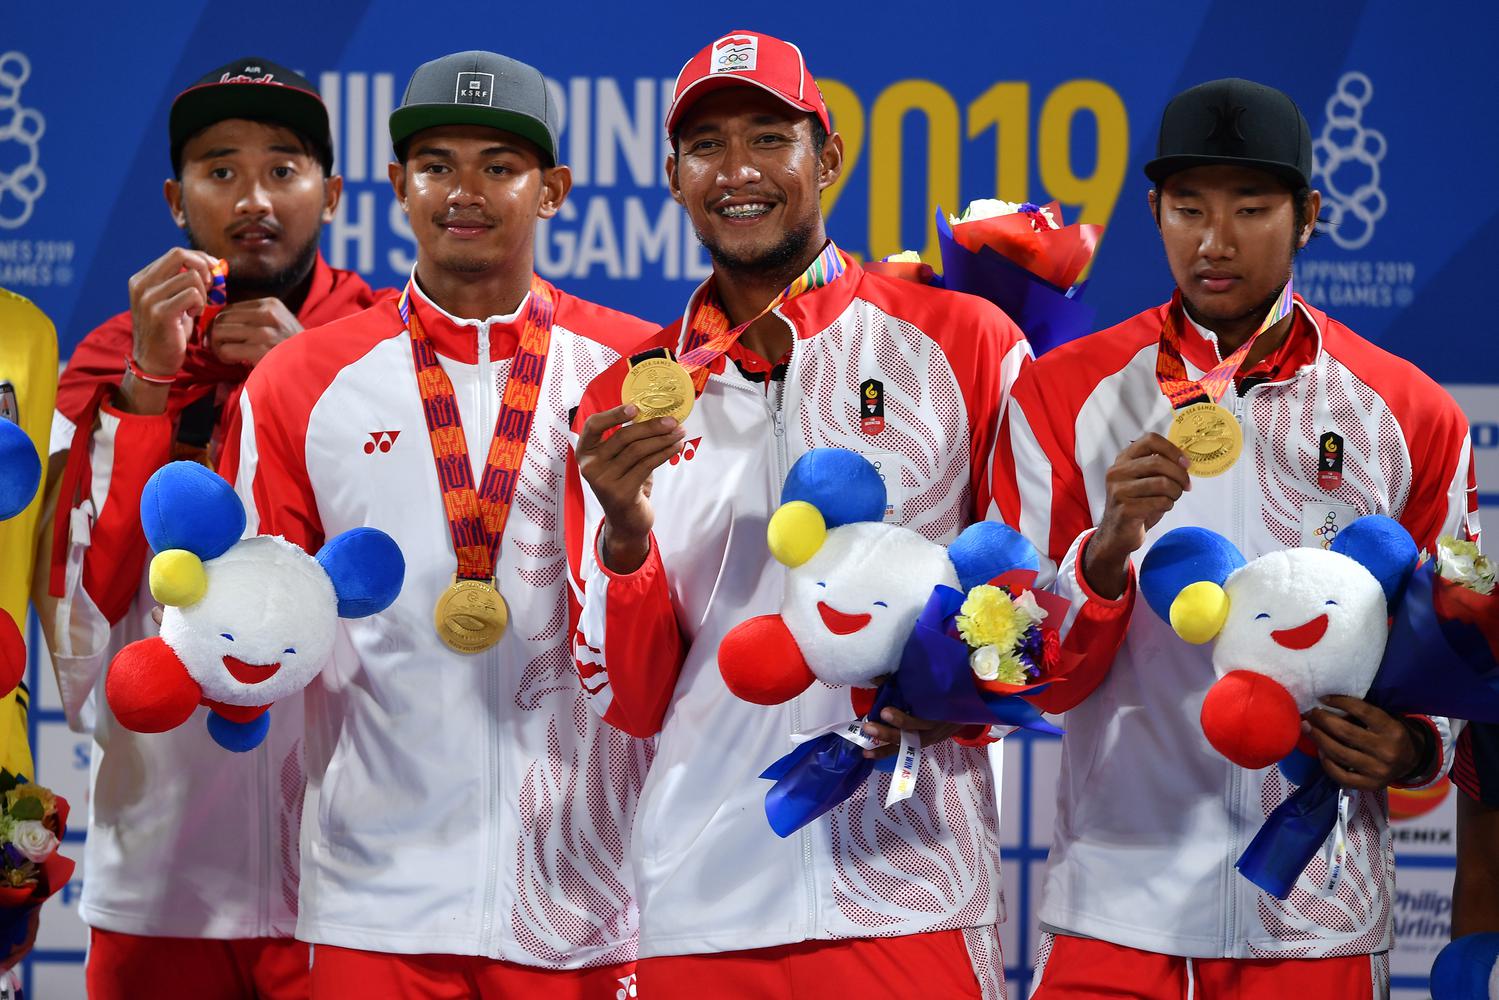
(709,336)
(1171,371)
(476,518)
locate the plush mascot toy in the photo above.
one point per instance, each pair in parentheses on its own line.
(247,621)
(20,476)
(1290,627)
(855,585)
(1467,969)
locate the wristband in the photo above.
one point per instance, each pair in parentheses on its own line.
(143,376)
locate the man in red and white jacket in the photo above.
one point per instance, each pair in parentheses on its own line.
(466,814)
(1141,894)
(667,546)
(191,861)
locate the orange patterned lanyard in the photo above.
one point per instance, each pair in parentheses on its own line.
(476,518)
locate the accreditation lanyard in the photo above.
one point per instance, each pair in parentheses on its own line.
(709,336)
(1171,371)
(476,518)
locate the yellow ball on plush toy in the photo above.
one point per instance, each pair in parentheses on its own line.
(177,578)
(1199,611)
(795,533)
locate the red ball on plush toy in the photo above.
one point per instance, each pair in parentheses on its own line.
(761,662)
(12,654)
(1250,719)
(148,688)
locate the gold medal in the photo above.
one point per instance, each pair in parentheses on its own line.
(471,616)
(1209,436)
(659,387)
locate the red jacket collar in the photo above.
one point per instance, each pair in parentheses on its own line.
(459,338)
(1302,347)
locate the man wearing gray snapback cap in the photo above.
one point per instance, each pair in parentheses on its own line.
(466,814)
(1142,895)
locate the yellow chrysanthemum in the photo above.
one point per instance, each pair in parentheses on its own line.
(42,795)
(1012,671)
(989,618)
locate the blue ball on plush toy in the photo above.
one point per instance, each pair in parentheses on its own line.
(20,470)
(1467,969)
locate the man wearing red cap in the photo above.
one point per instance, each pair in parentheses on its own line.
(191,853)
(466,814)
(1311,427)
(788,343)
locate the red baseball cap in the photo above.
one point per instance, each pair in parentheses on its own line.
(748,58)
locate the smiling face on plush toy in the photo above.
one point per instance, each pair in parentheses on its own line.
(1311,619)
(265,625)
(852,605)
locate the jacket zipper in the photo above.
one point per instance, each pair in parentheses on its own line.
(490,666)
(263,763)
(1237,781)
(783,467)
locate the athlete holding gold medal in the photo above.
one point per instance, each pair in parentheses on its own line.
(1240,408)
(465,812)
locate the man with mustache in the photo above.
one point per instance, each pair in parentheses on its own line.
(191,854)
(466,813)
(788,342)
(1309,427)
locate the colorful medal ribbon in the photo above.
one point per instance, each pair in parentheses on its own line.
(708,334)
(476,518)
(1171,371)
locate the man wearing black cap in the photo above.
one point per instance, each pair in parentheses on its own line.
(191,855)
(1141,894)
(467,815)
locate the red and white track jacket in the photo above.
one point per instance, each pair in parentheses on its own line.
(1150,819)
(465,805)
(184,839)
(711,876)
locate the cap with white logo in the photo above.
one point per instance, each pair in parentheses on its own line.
(478,88)
(748,58)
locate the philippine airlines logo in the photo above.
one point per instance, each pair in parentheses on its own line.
(21,179)
(735,54)
(1346,160)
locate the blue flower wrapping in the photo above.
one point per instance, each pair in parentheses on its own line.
(1049,316)
(1433,665)
(934,682)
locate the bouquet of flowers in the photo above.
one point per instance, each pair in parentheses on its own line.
(1018,255)
(32,822)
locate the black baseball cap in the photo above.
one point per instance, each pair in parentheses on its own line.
(1237,122)
(478,88)
(259,90)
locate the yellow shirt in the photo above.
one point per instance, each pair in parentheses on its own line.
(28,361)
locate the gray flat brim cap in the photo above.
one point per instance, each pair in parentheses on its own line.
(478,88)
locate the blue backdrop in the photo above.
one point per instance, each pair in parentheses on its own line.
(937,103)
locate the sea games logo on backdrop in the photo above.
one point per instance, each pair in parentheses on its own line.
(24,263)
(1346,168)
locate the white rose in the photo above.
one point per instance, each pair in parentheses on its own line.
(1026,602)
(1462,563)
(985,662)
(989,208)
(34,840)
